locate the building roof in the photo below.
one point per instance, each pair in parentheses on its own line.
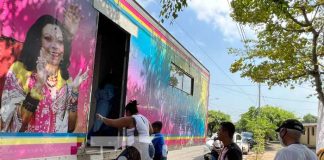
(309,124)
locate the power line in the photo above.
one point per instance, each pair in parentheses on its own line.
(250,85)
(268,97)
(239,27)
(288,99)
(205,53)
(235,85)
(264,101)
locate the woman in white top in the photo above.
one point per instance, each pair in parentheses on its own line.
(138,130)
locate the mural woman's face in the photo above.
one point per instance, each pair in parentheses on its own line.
(53,44)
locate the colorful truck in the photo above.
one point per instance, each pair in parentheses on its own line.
(56,55)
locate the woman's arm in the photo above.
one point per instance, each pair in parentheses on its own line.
(73,98)
(72,108)
(29,107)
(72,18)
(72,121)
(117,123)
(25,118)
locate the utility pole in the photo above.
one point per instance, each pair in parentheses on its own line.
(259,86)
(259,98)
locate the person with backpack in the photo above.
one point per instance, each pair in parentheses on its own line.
(138,129)
(230,151)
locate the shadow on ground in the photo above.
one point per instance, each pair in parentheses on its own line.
(272,146)
(199,158)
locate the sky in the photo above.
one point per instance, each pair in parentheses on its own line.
(206,29)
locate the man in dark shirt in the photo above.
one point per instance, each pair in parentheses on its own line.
(230,151)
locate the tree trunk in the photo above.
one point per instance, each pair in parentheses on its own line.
(319,90)
(317,75)
(320,128)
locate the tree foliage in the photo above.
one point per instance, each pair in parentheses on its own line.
(289,45)
(171,8)
(309,118)
(266,119)
(262,122)
(215,118)
(259,134)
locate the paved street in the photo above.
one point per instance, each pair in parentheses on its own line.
(197,152)
(187,153)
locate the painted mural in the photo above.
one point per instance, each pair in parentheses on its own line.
(151,55)
(46,60)
(45,65)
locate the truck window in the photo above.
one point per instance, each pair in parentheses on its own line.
(238,137)
(181,80)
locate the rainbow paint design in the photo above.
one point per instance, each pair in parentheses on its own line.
(12,145)
(183,115)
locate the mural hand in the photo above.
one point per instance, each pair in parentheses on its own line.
(41,74)
(79,79)
(72,18)
(40,67)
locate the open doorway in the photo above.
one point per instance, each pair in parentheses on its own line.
(110,76)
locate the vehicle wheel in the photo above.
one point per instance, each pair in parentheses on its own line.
(247,152)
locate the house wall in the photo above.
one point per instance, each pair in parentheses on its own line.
(309,138)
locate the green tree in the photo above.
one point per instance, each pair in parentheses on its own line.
(262,122)
(259,130)
(309,118)
(215,118)
(267,118)
(289,42)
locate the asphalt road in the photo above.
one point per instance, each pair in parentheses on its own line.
(187,153)
(197,153)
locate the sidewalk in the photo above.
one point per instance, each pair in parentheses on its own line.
(187,153)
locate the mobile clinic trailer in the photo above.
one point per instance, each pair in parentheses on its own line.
(56,55)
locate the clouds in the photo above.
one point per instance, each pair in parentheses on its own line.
(217,13)
(213,12)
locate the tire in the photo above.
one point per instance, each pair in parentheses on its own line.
(245,153)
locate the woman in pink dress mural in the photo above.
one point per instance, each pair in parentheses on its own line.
(39,95)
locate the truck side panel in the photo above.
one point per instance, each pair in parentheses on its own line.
(151,58)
